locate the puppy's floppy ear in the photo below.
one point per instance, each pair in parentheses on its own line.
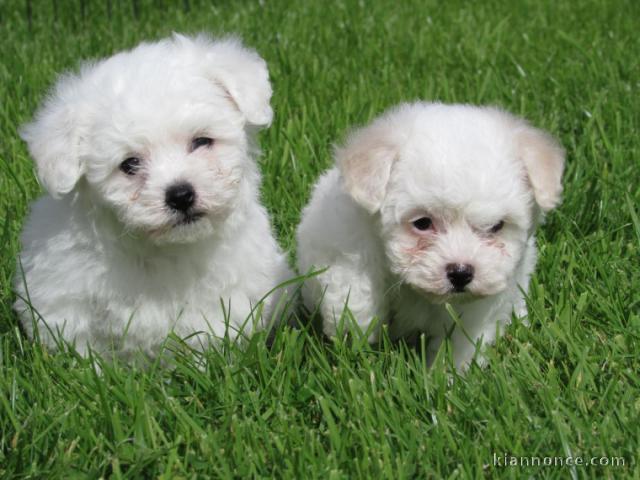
(543,158)
(365,163)
(242,73)
(53,138)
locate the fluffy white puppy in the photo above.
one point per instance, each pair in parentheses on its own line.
(430,205)
(153,222)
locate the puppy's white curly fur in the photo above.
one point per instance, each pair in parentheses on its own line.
(105,260)
(422,192)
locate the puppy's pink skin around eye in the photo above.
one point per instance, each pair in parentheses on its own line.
(496,243)
(422,233)
(423,241)
(417,250)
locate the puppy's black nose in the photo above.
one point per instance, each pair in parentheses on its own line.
(180,196)
(459,274)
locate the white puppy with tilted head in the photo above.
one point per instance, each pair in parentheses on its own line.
(430,205)
(153,222)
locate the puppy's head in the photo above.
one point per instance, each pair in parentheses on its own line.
(158,134)
(457,189)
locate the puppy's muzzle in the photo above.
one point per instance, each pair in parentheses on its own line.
(180,197)
(459,274)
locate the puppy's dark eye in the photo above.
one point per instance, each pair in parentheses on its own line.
(131,165)
(497,227)
(422,223)
(198,142)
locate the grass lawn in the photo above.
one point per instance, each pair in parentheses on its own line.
(567,386)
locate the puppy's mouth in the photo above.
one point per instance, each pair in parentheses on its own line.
(466,294)
(189,218)
(453,295)
(461,294)
(456,296)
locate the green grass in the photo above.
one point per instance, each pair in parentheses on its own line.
(568,385)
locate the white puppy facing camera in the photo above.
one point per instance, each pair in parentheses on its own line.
(153,222)
(430,205)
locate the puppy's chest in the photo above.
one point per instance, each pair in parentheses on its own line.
(411,312)
(163,281)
